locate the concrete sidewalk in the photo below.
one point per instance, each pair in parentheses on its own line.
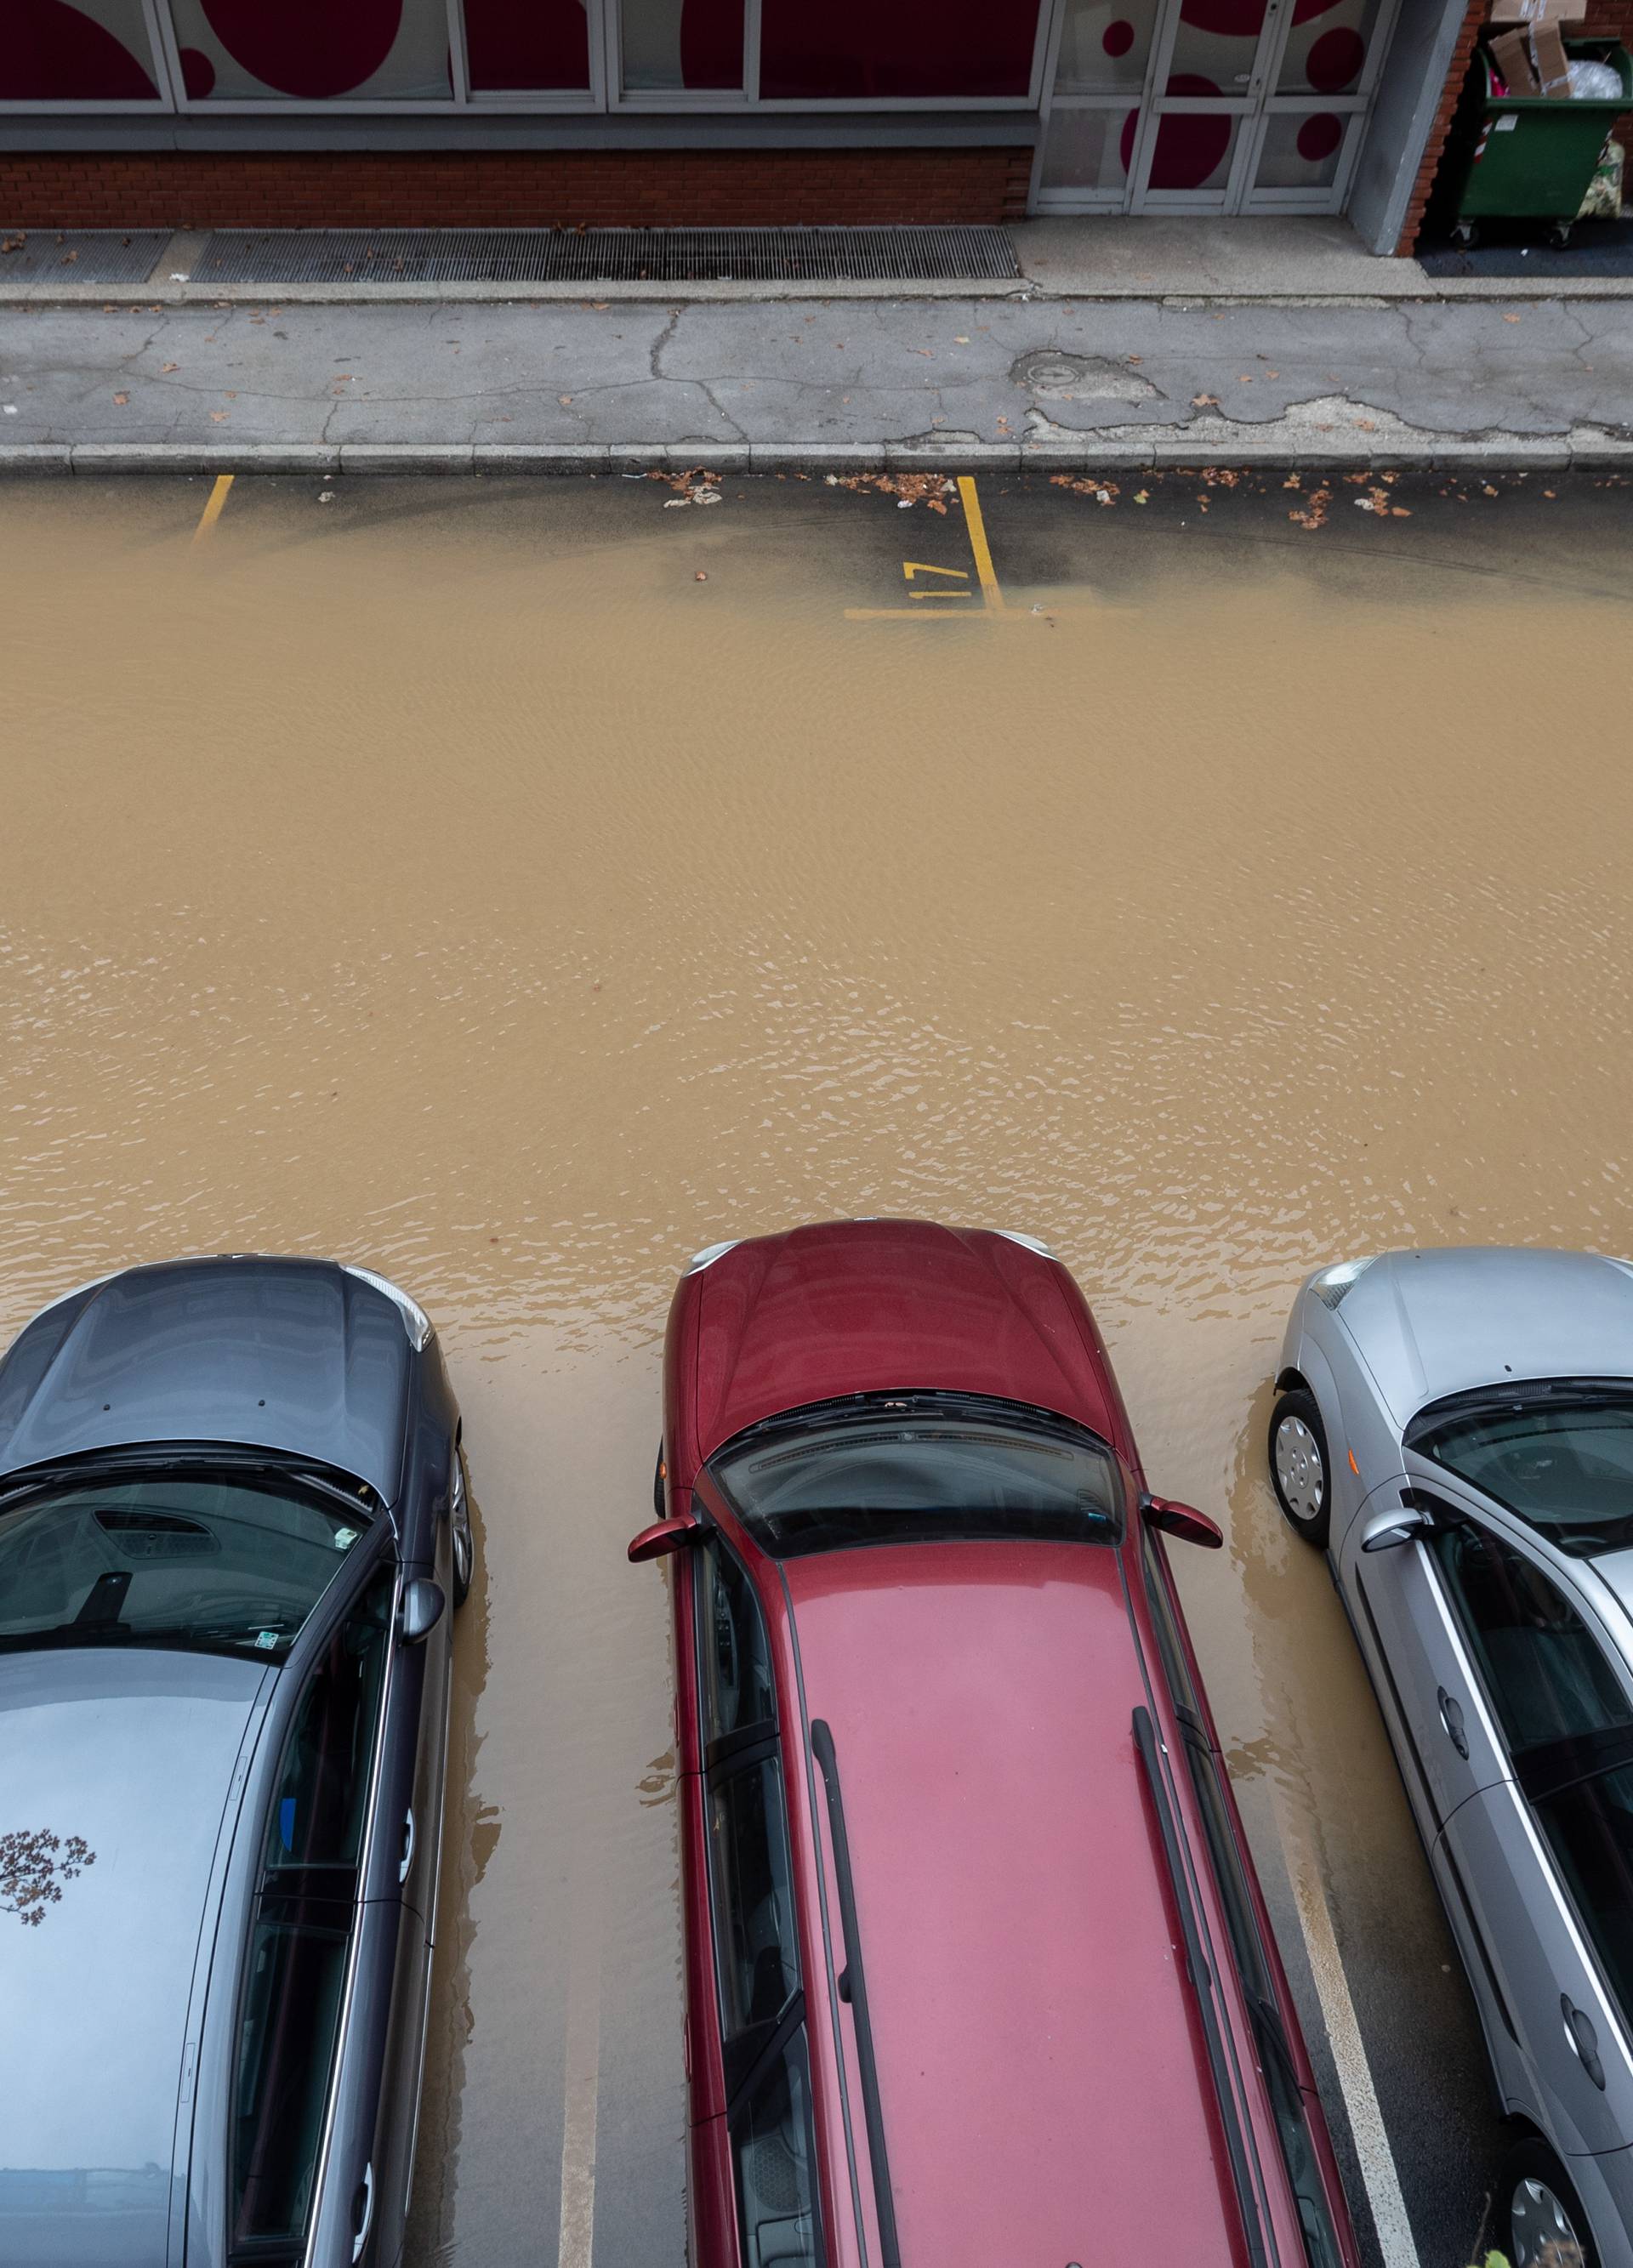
(1267,258)
(818,384)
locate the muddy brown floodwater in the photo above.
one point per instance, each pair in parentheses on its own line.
(446,878)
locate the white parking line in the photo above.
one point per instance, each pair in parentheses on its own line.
(1354,2072)
(581,2082)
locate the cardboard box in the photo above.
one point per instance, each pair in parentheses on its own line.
(1538,11)
(1511,54)
(1547,55)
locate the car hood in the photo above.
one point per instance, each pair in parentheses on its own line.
(1010,1903)
(270,1354)
(866,1306)
(1430,1323)
(134,1753)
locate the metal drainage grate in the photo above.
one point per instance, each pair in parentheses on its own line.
(79,255)
(608,255)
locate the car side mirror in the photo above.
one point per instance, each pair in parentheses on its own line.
(423,1602)
(1386,1529)
(1183,1520)
(663,1537)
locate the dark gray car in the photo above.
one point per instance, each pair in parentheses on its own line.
(233,1518)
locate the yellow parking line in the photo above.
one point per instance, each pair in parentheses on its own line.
(976,526)
(212,509)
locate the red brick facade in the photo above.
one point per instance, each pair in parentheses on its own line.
(1606,20)
(534,188)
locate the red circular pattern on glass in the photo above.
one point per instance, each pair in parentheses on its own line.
(308,48)
(1319,136)
(52,53)
(198,74)
(1335,61)
(1189,148)
(1117,37)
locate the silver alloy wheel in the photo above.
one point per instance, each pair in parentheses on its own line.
(1542,2231)
(464,1550)
(1300,1474)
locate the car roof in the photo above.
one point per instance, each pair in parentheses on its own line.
(1446,1320)
(134,1752)
(292,1355)
(1038,2065)
(856,1307)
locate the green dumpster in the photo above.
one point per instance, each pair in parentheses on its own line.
(1533,156)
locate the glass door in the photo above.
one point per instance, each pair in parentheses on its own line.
(1207,105)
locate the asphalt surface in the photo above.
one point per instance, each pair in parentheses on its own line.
(980,381)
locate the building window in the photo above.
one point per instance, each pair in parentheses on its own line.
(674,46)
(527,45)
(95,51)
(312,50)
(896,50)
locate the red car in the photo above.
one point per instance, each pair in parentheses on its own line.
(979,1973)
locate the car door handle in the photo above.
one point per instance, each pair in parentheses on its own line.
(407,1859)
(363,2212)
(1451,1718)
(1583,2040)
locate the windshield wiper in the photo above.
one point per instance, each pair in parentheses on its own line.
(853,1988)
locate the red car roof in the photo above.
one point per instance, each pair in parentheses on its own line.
(855,1307)
(1041,2077)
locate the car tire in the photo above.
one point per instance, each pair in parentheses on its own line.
(1301,1471)
(462,1539)
(1539,2214)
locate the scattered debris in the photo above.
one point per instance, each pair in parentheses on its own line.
(120,400)
(1102,491)
(928,489)
(693,487)
(699,576)
(1316,517)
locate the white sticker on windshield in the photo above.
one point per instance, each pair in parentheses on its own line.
(266,1639)
(344,1538)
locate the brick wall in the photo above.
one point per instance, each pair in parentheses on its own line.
(519,189)
(1605,19)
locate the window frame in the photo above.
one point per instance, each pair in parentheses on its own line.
(605,96)
(381,1564)
(749,1748)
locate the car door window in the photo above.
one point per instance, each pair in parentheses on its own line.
(300,1936)
(733,1651)
(1546,1673)
(755,1946)
(772,2154)
(1589,1827)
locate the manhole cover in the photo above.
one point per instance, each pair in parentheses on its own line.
(1060,377)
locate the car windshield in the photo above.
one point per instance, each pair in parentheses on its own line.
(209,1562)
(919,1468)
(1558,1455)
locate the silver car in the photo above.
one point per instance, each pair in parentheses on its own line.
(233,1522)
(1455,1429)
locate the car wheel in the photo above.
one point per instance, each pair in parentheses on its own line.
(463,1538)
(1547,2227)
(1300,1471)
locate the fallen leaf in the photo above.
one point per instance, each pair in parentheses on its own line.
(219,416)
(699,576)
(1399,511)
(172,365)
(565,400)
(1367,424)
(69,259)
(600,306)
(1243,380)
(1141,497)
(1133,357)
(1204,401)
(927,351)
(122,399)
(1511,318)
(1272,373)
(960,340)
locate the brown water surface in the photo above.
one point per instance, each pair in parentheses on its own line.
(448,879)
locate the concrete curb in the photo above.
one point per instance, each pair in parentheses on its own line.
(1307,292)
(1234,450)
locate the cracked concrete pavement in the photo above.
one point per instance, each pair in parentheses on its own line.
(823,383)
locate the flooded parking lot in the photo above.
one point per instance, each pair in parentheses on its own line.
(515,885)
